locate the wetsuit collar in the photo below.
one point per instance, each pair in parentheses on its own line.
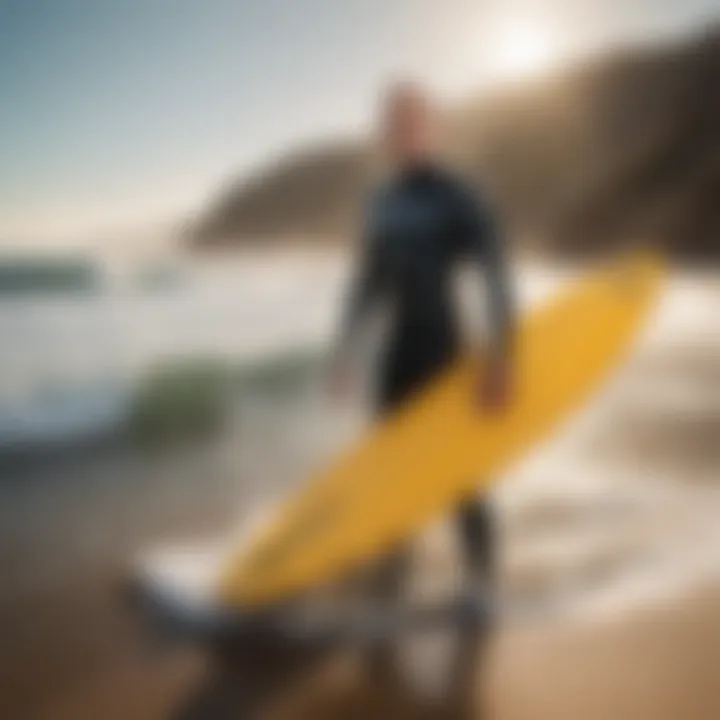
(422,170)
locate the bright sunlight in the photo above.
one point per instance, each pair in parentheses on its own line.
(519,50)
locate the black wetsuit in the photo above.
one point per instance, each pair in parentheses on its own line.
(417,227)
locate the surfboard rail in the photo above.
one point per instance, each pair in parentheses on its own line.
(414,465)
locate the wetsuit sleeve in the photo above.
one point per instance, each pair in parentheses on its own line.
(363,287)
(481,239)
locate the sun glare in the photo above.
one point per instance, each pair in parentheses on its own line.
(521,50)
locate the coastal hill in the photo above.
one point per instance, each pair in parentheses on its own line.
(621,148)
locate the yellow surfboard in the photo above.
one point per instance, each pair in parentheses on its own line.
(414,465)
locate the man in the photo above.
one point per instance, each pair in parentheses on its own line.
(418,225)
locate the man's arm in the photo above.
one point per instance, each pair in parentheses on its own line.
(363,289)
(501,305)
(484,242)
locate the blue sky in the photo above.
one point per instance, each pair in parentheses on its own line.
(123,112)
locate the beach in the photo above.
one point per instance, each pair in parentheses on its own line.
(610,527)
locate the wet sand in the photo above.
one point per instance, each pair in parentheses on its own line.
(613,524)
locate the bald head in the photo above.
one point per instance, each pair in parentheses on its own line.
(410,123)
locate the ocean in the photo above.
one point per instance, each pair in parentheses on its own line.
(69,361)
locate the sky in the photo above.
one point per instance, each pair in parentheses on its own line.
(124,113)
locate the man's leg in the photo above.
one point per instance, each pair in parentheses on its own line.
(476,525)
(387,588)
(406,369)
(478,546)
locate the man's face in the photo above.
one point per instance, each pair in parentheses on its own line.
(409,130)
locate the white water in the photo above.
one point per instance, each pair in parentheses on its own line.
(68,364)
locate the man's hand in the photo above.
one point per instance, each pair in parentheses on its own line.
(494,391)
